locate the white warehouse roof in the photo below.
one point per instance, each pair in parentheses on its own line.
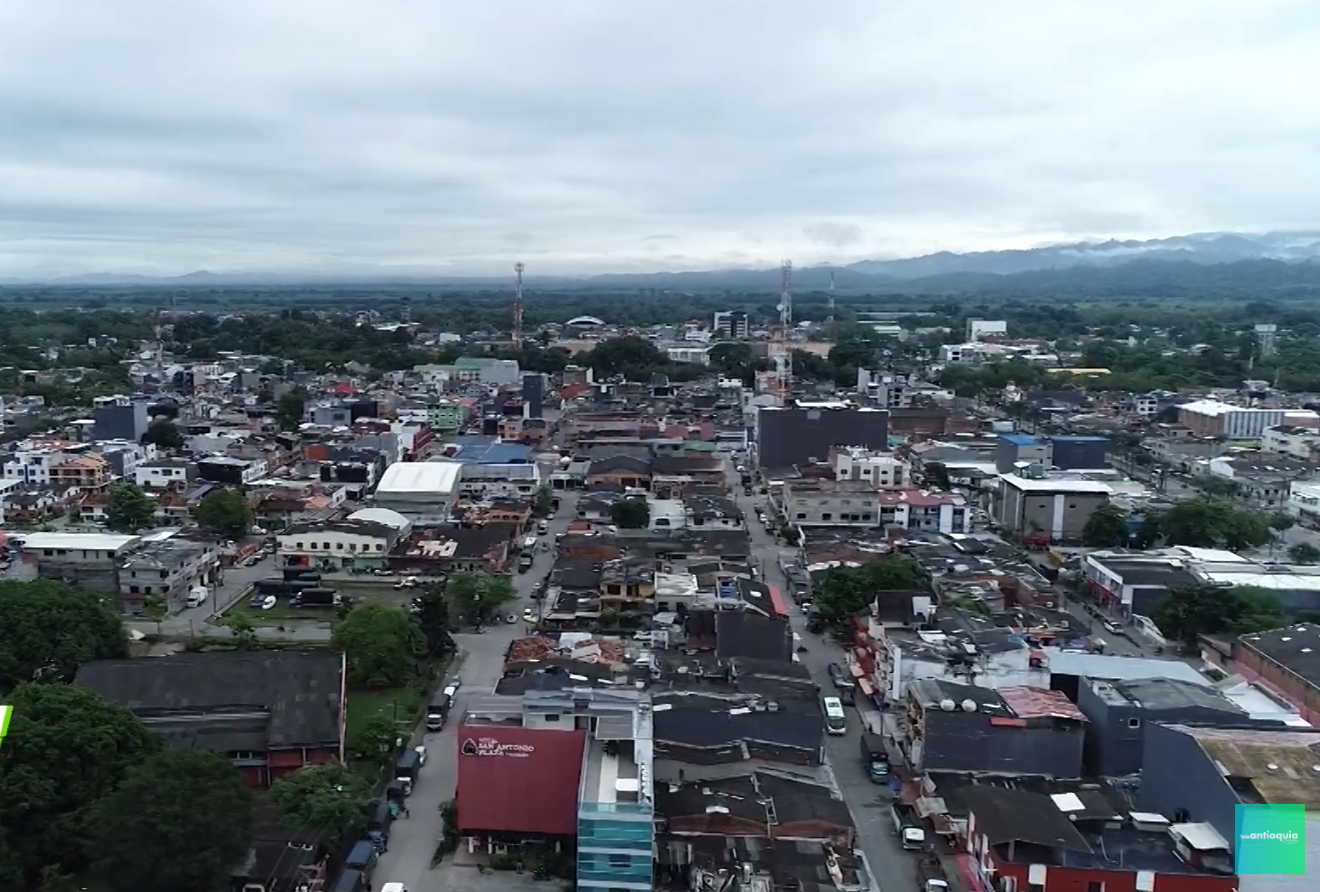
(78,541)
(1056,484)
(389,518)
(420,477)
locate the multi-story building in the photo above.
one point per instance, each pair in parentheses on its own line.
(1212,418)
(883,469)
(120,418)
(32,462)
(807,432)
(361,541)
(1301,443)
(89,473)
(732,324)
(169,568)
(165,472)
(90,560)
(1016,451)
(1047,509)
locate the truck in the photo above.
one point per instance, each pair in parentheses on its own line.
(301,573)
(315,597)
(875,757)
(908,827)
(438,711)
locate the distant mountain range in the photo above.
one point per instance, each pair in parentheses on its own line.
(1175,257)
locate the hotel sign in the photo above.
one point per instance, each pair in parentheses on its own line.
(489,746)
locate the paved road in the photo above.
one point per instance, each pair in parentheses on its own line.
(413,840)
(894,869)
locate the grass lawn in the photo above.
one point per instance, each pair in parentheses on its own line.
(280,613)
(362,705)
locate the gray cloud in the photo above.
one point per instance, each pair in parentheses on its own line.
(149,136)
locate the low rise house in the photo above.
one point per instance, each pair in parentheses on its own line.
(271,712)
(90,561)
(1084,840)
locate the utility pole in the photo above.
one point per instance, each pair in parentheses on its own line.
(517,304)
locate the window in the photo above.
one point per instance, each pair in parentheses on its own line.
(312,545)
(801,516)
(620,860)
(339,546)
(1095,886)
(380,547)
(827,516)
(325,545)
(1134,723)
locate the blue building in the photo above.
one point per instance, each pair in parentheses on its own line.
(616,812)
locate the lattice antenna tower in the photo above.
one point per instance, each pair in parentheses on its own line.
(830,320)
(785,360)
(517,303)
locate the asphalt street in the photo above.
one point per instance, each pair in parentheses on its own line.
(413,839)
(893,869)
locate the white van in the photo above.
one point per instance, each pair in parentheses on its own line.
(197,597)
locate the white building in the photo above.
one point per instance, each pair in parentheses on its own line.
(884,469)
(1302,443)
(518,481)
(1212,418)
(424,492)
(691,354)
(32,464)
(1304,501)
(980,329)
(338,543)
(164,472)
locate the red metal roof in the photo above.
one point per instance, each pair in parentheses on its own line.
(519,780)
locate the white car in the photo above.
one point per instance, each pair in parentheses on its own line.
(421,754)
(1112,628)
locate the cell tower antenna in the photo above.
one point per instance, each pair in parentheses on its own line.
(517,304)
(783,354)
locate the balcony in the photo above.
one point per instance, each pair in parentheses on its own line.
(616,878)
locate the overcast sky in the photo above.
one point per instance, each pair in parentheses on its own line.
(164,136)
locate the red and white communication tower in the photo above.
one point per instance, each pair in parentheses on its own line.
(517,304)
(780,351)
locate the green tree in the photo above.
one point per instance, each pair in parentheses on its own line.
(330,797)
(127,508)
(243,629)
(477,597)
(733,359)
(1190,612)
(630,514)
(545,500)
(936,475)
(181,820)
(1106,528)
(66,749)
(432,612)
(290,408)
(1304,553)
(381,644)
(843,592)
(164,434)
(155,608)
(1213,523)
(226,513)
(49,630)
(375,740)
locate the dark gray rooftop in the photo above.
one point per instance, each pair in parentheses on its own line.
(275,699)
